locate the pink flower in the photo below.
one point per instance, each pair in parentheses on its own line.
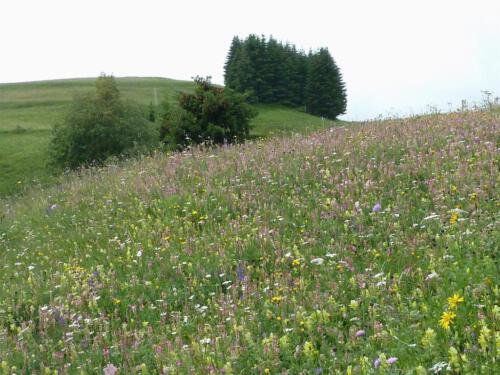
(392,360)
(360,333)
(110,369)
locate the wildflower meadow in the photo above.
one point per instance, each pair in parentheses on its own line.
(367,248)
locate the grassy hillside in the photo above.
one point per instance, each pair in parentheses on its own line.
(28,111)
(364,249)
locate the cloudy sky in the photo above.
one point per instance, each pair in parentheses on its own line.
(397,56)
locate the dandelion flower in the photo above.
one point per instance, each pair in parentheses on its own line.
(447,319)
(454,300)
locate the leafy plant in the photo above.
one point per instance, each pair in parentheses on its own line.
(212,114)
(99,126)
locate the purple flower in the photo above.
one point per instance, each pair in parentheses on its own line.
(377,207)
(376,363)
(319,370)
(241,273)
(392,360)
(360,333)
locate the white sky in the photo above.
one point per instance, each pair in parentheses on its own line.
(397,57)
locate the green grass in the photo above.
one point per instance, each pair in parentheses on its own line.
(29,110)
(274,120)
(329,252)
(33,108)
(23,159)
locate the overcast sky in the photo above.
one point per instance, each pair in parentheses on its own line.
(397,57)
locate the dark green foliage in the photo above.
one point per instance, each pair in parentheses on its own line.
(325,92)
(231,58)
(212,114)
(269,71)
(99,126)
(152,113)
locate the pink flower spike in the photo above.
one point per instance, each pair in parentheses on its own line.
(360,333)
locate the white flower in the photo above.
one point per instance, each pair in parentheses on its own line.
(433,216)
(317,261)
(139,253)
(205,341)
(440,366)
(431,276)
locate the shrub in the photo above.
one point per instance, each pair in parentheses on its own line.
(212,114)
(99,126)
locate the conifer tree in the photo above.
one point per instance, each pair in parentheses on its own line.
(325,91)
(269,71)
(229,71)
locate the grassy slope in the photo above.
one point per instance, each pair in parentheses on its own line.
(28,111)
(265,256)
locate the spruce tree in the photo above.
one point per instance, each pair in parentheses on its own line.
(243,74)
(325,91)
(272,72)
(229,71)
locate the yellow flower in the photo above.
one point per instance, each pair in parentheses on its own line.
(453,218)
(276,299)
(429,338)
(308,349)
(267,371)
(484,337)
(447,319)
(454,300)
(296,263)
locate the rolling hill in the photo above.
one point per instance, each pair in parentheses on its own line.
(28,111)
(362,249)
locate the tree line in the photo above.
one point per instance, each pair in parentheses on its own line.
(269,71)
